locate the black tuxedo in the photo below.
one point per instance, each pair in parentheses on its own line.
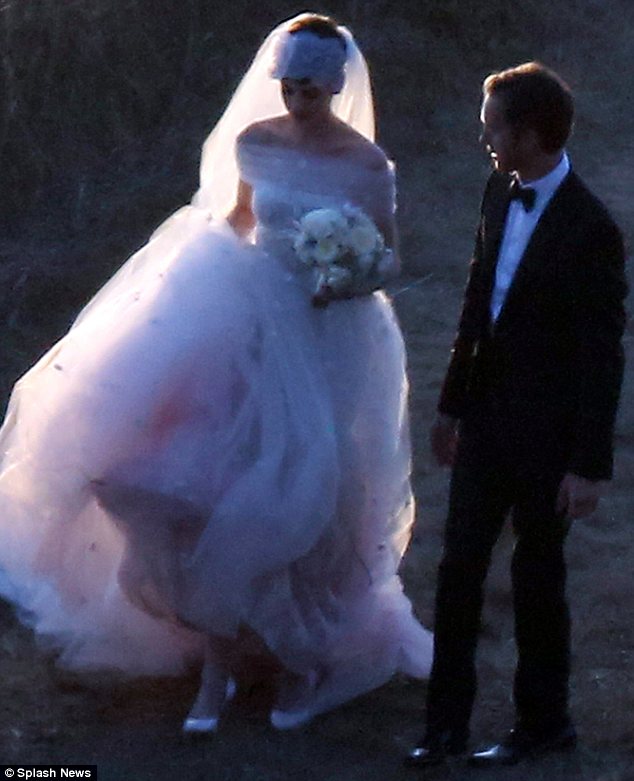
(536,393)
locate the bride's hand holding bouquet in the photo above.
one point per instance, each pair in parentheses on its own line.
(346,249)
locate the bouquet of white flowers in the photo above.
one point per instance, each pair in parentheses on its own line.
(345,247)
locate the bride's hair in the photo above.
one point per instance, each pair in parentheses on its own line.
(322,26)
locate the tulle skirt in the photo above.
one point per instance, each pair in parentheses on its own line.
(205,451)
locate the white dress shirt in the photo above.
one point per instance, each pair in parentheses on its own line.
(518,229)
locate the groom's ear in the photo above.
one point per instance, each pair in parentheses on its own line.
(529,139)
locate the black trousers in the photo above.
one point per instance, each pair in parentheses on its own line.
(488,482)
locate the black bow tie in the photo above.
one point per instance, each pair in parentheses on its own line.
(526,195)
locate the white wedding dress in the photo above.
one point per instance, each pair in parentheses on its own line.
(204,451)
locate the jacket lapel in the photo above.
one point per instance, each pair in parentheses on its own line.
(496,207)
(540,246)
(496,210)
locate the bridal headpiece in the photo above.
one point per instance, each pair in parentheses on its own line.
(306,55)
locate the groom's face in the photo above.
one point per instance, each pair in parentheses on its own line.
(502,140)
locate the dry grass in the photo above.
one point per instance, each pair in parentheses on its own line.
(103,107)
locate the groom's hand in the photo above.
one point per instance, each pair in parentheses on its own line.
(578,497)
(444,439)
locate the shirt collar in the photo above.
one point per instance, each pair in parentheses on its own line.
(546,186)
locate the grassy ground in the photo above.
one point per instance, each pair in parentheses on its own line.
(103,108)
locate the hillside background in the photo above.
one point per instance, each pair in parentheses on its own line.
(104,105)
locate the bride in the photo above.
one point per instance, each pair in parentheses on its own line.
(209,464)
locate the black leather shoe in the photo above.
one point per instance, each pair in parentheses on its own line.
(520,744)
(434,750)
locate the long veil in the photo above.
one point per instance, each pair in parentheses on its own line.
(257,97)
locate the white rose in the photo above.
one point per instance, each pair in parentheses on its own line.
(356,216)
(362,238)
(353,213)
(326,250)
(322,223)
(367,262)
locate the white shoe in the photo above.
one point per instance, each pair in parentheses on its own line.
(207,725)
(290,719)
(193,726)
(295,698)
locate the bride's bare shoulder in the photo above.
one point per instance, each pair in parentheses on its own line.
(266,131)
(365,153)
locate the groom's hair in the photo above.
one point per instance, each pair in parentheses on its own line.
(533,96)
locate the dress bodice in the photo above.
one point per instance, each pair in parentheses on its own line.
(288,182)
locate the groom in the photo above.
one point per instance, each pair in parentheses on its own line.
(526,413)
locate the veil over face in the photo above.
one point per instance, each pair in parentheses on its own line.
(258,97)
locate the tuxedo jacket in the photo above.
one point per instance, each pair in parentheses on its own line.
(546,375)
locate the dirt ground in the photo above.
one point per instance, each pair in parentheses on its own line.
(130,729)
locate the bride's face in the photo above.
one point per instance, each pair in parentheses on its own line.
(305,100)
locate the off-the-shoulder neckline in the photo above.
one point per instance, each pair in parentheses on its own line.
(314,154)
